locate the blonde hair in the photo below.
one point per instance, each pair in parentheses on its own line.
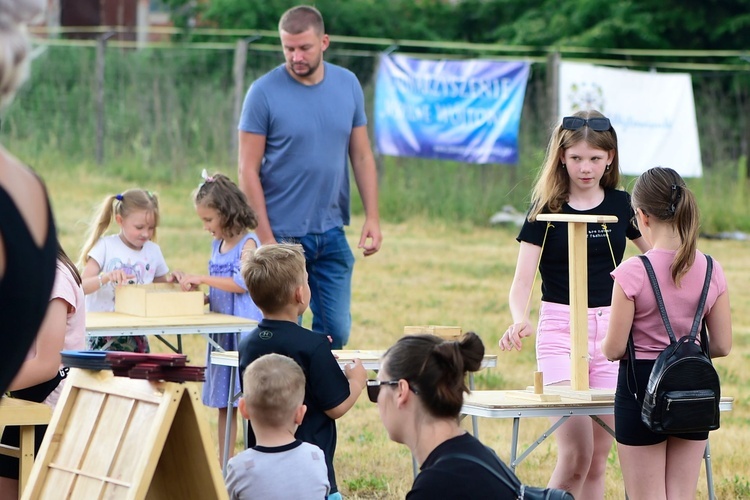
(274,387)
(661,193)
(272,273)
(552,186)
(14,44)
(123,204)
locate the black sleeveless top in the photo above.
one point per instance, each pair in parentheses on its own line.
(25,287)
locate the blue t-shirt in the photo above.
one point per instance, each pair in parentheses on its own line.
(305,174)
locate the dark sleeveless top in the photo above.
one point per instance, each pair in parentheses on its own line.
(25,287)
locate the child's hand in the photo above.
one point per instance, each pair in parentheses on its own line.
(175,276)
(511,339)
(190,282)
(356,371)
(119,277)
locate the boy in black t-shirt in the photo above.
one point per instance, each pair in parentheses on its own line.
(277,281)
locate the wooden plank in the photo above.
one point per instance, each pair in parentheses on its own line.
(110,320)
(532,396)
(596,219)
(20,412)
(446,332)
(584,395)
(579,294)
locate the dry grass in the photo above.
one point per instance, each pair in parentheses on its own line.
(432,273)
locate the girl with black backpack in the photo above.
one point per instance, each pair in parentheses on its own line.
(657,465)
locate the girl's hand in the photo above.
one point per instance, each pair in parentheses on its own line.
(119,277)
(190,282)
(175,276)
(512,337)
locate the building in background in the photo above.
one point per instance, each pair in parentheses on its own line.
(137,15)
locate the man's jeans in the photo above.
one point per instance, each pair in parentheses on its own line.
(329,267)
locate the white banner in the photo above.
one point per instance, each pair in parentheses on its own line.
(652,113)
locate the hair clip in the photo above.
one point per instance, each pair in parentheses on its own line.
(118,197)
(206,177)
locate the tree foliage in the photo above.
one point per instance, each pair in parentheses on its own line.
(645,24)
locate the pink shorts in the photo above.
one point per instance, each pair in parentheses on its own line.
(553,346)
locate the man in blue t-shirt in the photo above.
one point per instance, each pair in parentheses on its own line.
(299,123)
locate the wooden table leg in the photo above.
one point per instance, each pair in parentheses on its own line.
(26,456)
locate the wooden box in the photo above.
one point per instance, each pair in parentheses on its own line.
(157,299)
(446,332)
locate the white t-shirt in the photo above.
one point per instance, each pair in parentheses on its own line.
(297,470)
(111,253)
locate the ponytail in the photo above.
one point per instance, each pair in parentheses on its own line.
(661,192)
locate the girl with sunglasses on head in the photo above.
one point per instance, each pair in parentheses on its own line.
(419,392)
(580,175)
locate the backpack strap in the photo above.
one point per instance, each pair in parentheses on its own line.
(487,467)
(657,294)
(660,301)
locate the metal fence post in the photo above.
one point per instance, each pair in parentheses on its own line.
(101,46)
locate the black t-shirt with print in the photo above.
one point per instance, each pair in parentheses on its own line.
(555,264)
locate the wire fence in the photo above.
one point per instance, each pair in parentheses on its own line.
(173,105)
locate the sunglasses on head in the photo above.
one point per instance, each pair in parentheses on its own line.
(576,122)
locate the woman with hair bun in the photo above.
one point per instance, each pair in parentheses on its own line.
(419,392)
(28,245)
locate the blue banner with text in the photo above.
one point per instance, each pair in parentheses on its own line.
(466,111)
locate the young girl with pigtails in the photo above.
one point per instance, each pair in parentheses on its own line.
(127,258)
(226,215)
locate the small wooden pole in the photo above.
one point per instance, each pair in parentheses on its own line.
(538,383)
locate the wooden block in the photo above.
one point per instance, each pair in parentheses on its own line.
(538,383)
(531,396)
(157,300)
(446,332)
(586,395)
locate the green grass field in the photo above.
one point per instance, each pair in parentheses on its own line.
(428,272)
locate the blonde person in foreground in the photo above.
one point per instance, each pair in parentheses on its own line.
(28,245)
(659,466)
(279,465)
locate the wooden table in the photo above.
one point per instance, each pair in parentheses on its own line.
(26,415)
(370,360)
(508,404)
(112,324)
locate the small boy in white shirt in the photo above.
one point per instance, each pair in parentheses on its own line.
(279,465)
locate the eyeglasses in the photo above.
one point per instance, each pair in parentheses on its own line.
(373,388)
(576,122)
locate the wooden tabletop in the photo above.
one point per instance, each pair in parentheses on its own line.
(369,358)
(109,320)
